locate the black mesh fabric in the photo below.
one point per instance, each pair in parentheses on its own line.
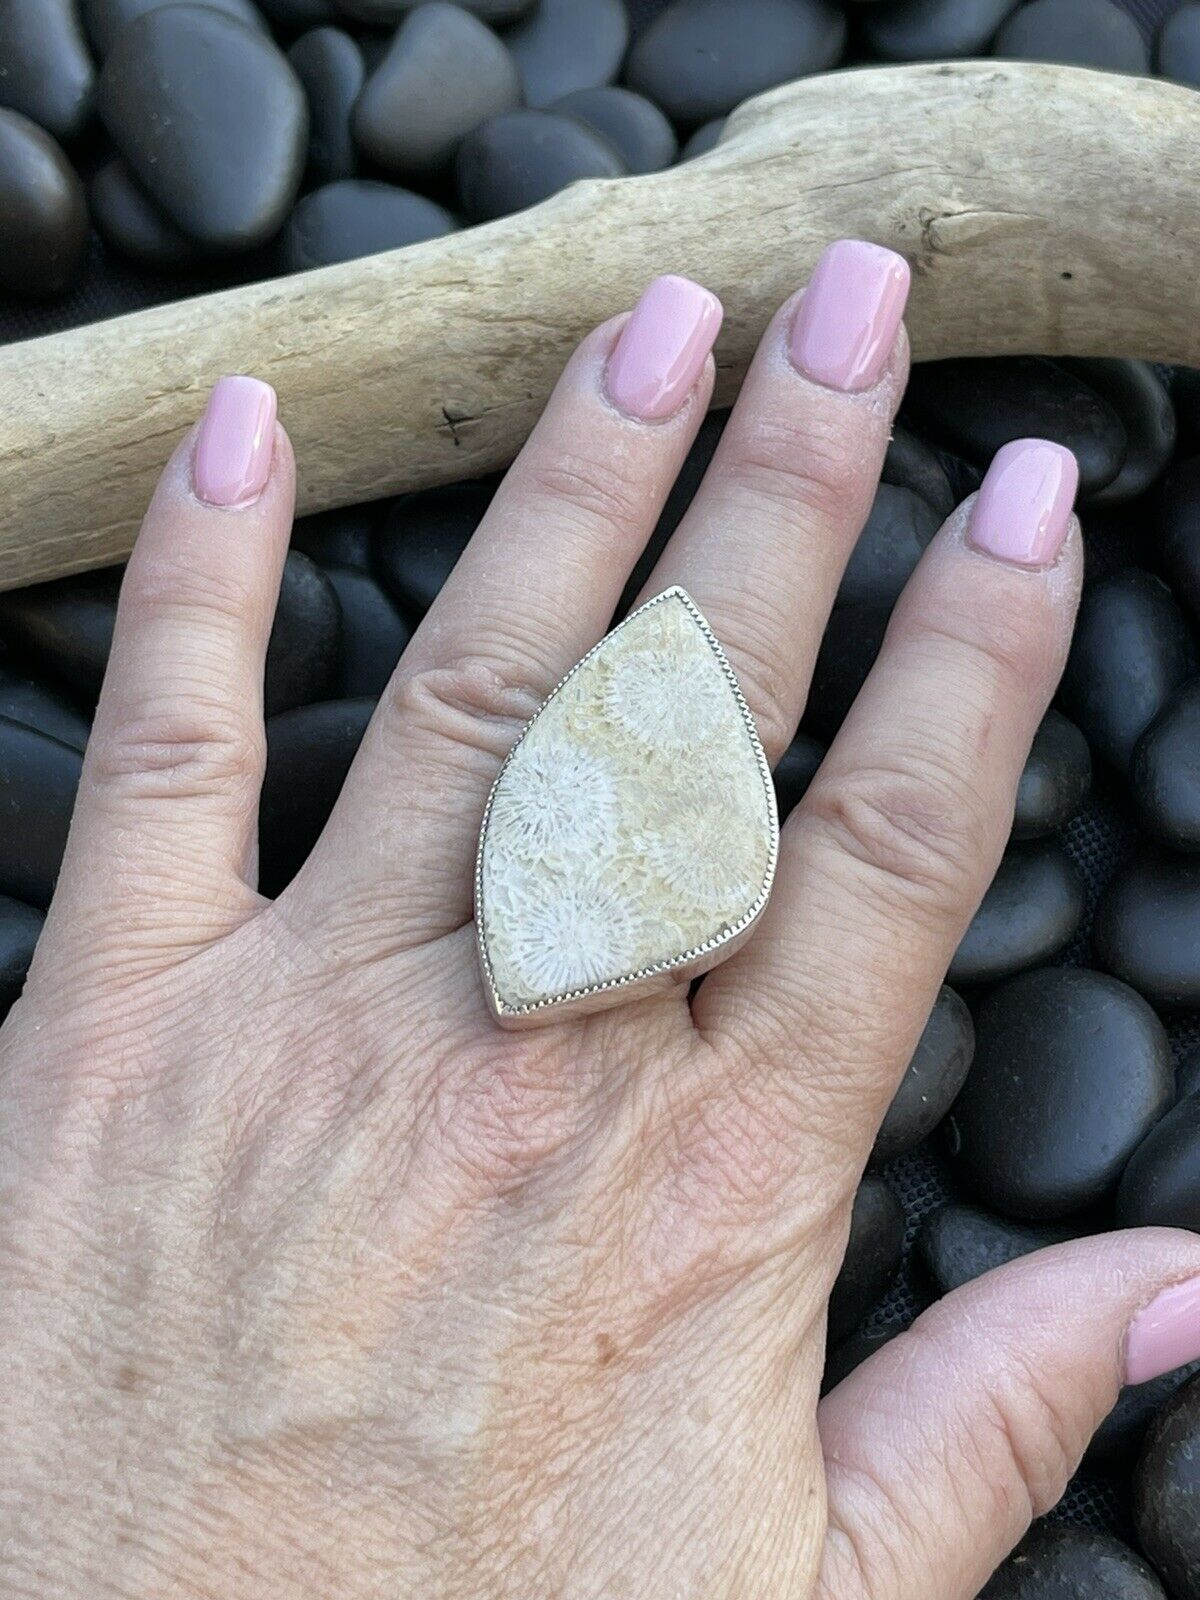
(1097,840)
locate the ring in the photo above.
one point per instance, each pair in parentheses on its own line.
(629,841)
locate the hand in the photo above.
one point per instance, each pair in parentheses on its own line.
(314,1282)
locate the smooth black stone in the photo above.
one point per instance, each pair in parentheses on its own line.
(897,532)
(221,151)
(65,627)
(1132,649)
(373,634)
(635,125)
(293,16)
(1166,1493)
(795,770)
(387,13)
(1161,1185)
(40,707)
(850,1354)
(131,222)
(341,538)
(1142,401)
(43,214)
(309,752)
(976,406)
(1119,1438)
(1062,1563)
(959,1243)
(20,928)
(357,217)
(1165,773)
(1072,1069)
(423,536)
(706,137)
(1177,47)
(1055,779)
(911,464)
(932,30)
(1080,33)
(1147,928)
(107,19)
(330,66)
(38,780)
(849,649)
(302,656)
(567,45)
(445,73)
(700,58)
(683,491)
(873,1254)
(522,157)
(1179,532)
(1185,393)
(1030,913)
(932,1080)
(46,69)
(1187,1080)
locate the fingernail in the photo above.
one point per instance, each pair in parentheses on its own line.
(1024,505)
(1165,1335)
(236,442)
(847,322)
(662,349)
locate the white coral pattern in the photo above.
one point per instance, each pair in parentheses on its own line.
(631,824)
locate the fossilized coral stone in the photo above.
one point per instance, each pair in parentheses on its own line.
(632,829)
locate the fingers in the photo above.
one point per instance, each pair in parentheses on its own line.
(887,857)
(765,541)
(943,1447)
(535,589)
(167,805)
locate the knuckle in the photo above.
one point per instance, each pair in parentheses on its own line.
(597,492)
(475,702)
(1040,1446)
(800,473)
(175,754)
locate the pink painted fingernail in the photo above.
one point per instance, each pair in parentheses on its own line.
(847,322)
(1024,505)
(662,348)
(1165,1335)
(236,442)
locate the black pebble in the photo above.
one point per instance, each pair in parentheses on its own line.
(444,74)
(107,19)
(1165,773)
(43,214)
(897,532)
(38,780)
(700,58)
(517,159)
(1179,532)
(1161,1186)
(1147,928)
(302,656)
(1142,401)
(932,1080)
(423,536)
(1177,47)
(373,634)
(65,627)
(132,224)
(959,1243)
(912,464)
(1120,1437)
(46,69)
(329,64)
(873,1254)
(851,644)
(795,770)
(846,1357)
(186,134)
(925,30)
(1064,1563)
(1185,393)
(1072,1069)
(1081,33)
(1055,780)
(1188,1076)
(341,538)
(40,707)
(1166,1490)
(1030,913)
(1132,649)
(20,927)
(309,752)
(567,45)
(357,217)
(705,138)
(635,125)
(978,405)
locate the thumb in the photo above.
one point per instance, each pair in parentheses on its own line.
(942,1448)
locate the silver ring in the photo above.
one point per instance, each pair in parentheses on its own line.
(630,839)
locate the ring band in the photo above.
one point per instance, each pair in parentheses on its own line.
(630,839)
